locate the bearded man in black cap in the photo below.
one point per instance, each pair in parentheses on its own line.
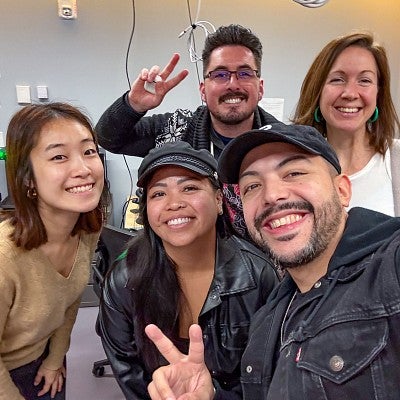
(330,329)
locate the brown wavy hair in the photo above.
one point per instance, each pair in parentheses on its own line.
(382,132)
(22,136)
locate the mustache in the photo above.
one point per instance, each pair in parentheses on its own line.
(298,205)
(233,94)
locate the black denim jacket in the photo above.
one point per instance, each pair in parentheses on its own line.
(340,340)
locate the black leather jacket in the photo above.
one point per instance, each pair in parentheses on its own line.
(242,281)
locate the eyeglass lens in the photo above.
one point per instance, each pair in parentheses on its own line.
(225,75)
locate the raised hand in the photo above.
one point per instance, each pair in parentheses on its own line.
(187,376)
(140,99)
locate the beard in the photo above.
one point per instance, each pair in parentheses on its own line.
(327,219)
(233,116)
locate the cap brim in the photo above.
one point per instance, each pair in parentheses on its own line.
(231,158)
(150,171)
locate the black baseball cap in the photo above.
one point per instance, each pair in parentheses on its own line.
(180,154)
(304,136)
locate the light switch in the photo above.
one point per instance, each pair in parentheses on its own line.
(42,92)
(23,94)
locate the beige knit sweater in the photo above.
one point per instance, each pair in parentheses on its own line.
(37,304)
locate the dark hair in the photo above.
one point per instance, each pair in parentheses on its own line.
(383,130)
(232,35)
(22,135)
(154,282)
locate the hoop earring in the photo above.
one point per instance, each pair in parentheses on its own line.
(31,193)
(374,116)
(318,117)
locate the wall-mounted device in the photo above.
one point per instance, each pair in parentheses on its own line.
(67,9)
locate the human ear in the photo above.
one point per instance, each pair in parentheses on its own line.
(343,188)
(202,93)
(261,90)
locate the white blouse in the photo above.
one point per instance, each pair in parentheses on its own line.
(372,186)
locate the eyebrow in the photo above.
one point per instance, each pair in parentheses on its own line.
(340,71)
(287,160)
(57,145)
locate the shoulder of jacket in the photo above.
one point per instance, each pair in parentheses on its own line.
(244,245)
(183,112)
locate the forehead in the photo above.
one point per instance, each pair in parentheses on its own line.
(231,57)
(355,58)
(63,131)
(269,156)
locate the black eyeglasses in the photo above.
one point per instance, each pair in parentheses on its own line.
(223,76)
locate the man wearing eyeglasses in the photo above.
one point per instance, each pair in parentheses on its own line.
(231,90)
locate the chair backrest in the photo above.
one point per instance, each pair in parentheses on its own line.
(111,244)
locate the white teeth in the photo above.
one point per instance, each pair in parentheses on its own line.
(289,219)
(178,221)
(80,189)
(348,110)
(233,101)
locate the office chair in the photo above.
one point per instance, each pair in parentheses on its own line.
(112,243)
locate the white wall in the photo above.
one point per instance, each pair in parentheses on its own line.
(83,61)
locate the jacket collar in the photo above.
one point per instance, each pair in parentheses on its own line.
(364,233)
(199,128)
(232,271)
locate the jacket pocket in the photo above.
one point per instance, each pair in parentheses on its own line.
(342,351)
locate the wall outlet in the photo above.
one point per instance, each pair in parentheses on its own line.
(67,9)
(23,94)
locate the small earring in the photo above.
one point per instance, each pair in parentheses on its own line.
(318,117)
(31,193)
(374,116)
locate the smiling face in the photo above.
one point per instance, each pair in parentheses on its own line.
(68,172)
(349,96)
(233,102)
(182,207)
(293,203)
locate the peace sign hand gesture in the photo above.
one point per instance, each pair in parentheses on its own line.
(142,100)
(187,376)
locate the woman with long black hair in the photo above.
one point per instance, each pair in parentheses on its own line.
(184,267)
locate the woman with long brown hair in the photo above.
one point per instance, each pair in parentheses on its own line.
(56,179)
(346,96)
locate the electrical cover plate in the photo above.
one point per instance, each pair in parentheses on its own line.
(67,9)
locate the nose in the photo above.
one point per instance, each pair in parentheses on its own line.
(176,205)
(175,202)
(275,192)
(233,81)
(350,91)
(80,167)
